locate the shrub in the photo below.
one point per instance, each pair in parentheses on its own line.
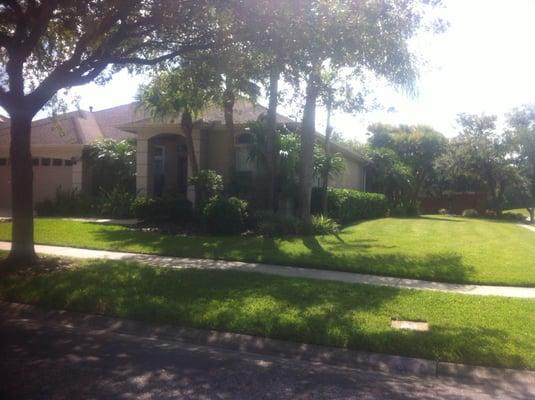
(113,165)
(273,224)
(175,209)
(470,213)
(490,213)
(443,211)
(207,184)
(513,216)
(116,203)
(225,216)
(66,204)
(322,225)
(347,206)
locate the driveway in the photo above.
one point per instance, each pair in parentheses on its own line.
(41,358)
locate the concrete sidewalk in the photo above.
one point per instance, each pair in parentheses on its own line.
(296,272)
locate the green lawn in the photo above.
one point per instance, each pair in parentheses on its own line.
(476,330)
(436,248)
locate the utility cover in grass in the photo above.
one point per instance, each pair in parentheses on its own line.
(410,325)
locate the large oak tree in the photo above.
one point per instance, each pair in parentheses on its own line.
(48,45)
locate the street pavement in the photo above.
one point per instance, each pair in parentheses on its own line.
(44,358)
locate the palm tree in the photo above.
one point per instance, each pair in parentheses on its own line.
(183,92)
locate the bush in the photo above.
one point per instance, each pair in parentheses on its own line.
(225,216)
(490,213)
(443,211)
(116,204)
(207,184)
(514,216)
(346,206)
(322,225)
(470,213)
(66,204)
(175,209)
(272,224)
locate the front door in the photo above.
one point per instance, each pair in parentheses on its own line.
(182,173)
(158,168)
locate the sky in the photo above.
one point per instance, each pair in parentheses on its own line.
(484,63)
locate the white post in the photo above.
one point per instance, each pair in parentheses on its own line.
(142,167)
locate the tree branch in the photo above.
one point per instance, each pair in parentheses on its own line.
(153,61)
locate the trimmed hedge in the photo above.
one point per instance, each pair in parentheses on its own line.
(164,209)
(225,216)
(347,206)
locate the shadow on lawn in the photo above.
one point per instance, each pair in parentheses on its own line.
(325,313)
(350,256)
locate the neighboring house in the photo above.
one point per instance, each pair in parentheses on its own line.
(162,161)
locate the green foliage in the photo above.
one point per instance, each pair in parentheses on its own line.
(275,224)
(514,216)
(322,225)
(347,206)
(113,165)
(387,174)
(67,204)
(116,204)
(188,89)
(484,155)
(288,147)
(470,213)
(520,135)
(225,215)
(403,163)
(168,208)
(208,184)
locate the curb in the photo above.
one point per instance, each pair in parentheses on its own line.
(264,346)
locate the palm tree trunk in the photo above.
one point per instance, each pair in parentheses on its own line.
(271,142)
(308,133)
(22,248)
(326,172)
(187,126)
(229,99)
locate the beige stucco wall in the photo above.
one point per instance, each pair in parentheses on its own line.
(46,179)
(144,181)
(351,178)
(220,153)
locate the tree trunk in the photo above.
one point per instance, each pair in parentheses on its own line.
(308,133)
(187,126)
(228,108)
(271,140)
(327,170)
(22,249)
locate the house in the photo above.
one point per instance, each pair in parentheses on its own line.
(162,161)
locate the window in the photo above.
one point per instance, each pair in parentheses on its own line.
(243,159)
(35,161)
(68,163)
(244,138)
(45,162)
(3,162)
(56,162)
(158,160)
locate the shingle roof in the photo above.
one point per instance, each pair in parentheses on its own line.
(85,127)
(77,127)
